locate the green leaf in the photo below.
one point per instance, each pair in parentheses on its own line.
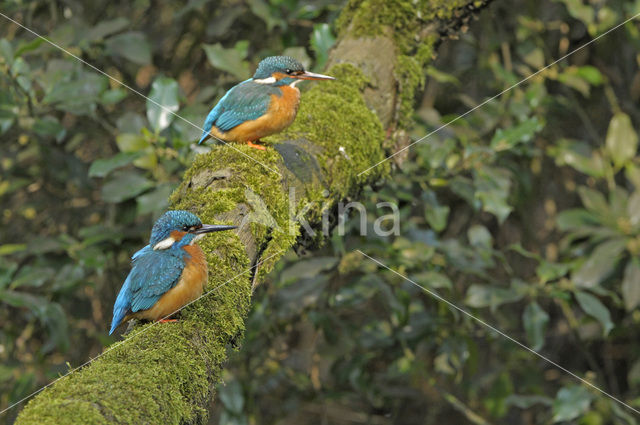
(581,11)
(12,248)
(106,28)
(633,209)
(631,285)
(594,308)
(496,398)
(164,91)
(8,115)
(600,263)
(441,77)
(232,397)
(131,45)
(111,97)
(79,95)
(130,122)
(535,321)
(594,201)
(433,280)
(633,376)
(125,185)
(579,156)
(591,74)
(300,54)
(29,46)
(32,277)
(523,132)
(307,268)
(576,219)
(49,126)
(156,200)
(570,78)
(261,9)
(492,190)
(22,69)
(437,216)
(548,271)
(571,402)
(480,296)
(49,314)
(632,172)
(229,60)
(527,401)
(102,167)
(147,162)
(6,51)
(622,140)
(534,58)
(479,236)
(128,142)
(321,41)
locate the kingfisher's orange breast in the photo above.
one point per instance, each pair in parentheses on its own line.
(189,287)
(281,113)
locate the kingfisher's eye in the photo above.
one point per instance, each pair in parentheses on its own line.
(289,71)
(185,228)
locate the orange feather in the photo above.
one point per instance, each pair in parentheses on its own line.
(189,287)
(281,113)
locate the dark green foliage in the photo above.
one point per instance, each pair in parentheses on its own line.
(86,165)
(525,212)
(521,212)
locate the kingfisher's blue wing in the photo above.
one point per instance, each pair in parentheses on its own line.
(245,102)
(153,273)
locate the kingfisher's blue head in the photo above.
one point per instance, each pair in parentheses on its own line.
(179,228)
(284,70)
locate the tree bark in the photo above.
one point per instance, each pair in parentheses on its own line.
(167,373)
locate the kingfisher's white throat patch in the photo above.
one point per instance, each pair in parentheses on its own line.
(164,244)
(269,80)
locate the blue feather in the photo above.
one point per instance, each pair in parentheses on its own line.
(121,307)
(245,102)
(211,118)
(153,273)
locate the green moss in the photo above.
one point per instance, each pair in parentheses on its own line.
(156,367)
(404,21)
(410,76)
(401,20)
(168,369)
(334,116)
(249,182)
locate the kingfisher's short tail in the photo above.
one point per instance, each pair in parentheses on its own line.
(121,306)
(205,136)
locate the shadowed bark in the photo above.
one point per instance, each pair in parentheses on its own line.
(167,373)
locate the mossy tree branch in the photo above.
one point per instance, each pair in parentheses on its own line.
(166,374)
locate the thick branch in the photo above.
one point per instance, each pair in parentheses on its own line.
(166,374)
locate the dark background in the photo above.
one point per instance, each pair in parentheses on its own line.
(525,212)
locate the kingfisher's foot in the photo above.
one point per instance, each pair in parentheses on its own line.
(167,320)
(256,146)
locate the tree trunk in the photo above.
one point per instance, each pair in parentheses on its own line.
(166,373)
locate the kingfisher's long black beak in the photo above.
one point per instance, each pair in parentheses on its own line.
(313,76)
(208,228)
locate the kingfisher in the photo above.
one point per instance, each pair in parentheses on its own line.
(263,105)
(168,273)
